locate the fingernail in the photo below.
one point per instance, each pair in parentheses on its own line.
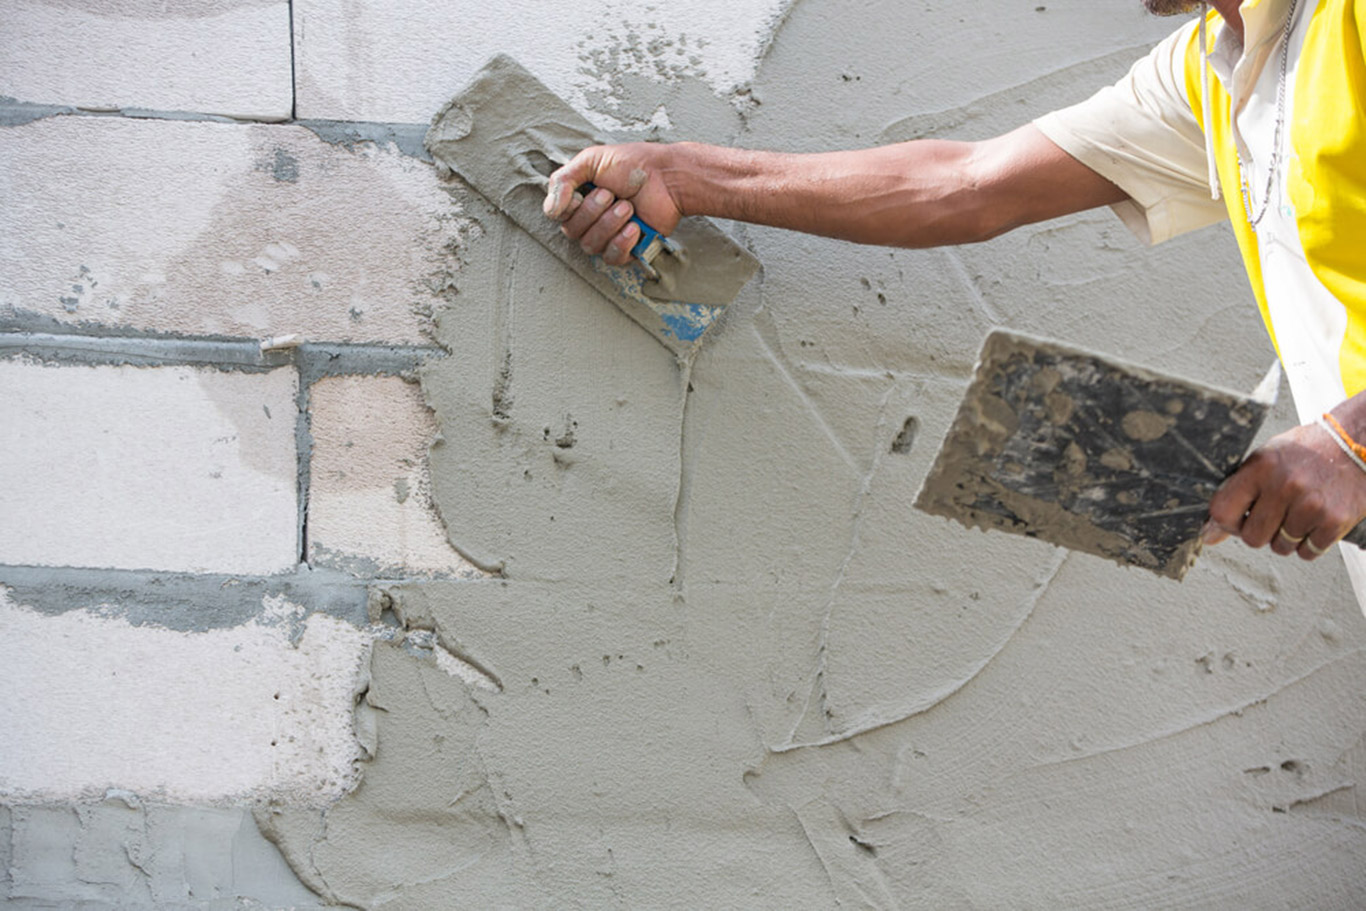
(552,200)
(602,197)
(622,209)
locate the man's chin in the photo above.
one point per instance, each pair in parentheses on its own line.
(1170,7)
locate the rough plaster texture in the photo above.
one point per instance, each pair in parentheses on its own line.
(170,468)
(727,664)
(221,229)
(229,57)
(123,853)
(373,60)
(370,509)
(254,712)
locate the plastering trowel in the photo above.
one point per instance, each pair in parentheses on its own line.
(506,133)
(1092,454)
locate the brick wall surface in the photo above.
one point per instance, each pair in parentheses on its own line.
(211,444)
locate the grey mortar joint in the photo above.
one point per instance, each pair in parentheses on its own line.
(186,602)
(316,362)
(313,362)
(18,320)
(405,137)
(17,113)
(139,352)
(14,113)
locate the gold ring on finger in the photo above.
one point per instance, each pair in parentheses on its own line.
(1318,552)
(1289,537)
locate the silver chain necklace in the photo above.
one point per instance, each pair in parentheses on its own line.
(1274,163)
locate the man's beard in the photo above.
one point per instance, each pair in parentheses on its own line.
(1170,7)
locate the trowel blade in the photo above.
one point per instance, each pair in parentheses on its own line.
(504,133)
(1089,453)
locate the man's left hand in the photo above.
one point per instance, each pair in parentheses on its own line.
(1299,493)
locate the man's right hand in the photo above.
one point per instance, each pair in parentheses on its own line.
(630,180)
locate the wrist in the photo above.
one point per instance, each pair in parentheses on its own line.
(1350,415)
(685,174)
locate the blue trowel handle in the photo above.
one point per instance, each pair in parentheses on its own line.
(651,242)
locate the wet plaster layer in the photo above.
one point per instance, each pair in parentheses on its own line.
(728,665)
(121,852)
(737,668)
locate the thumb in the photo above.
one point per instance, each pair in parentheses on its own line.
(559,194)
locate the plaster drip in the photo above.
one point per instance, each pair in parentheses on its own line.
(684,475)
(818,693)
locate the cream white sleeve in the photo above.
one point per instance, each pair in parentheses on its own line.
(1141,134)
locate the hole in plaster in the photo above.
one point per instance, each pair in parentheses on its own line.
(863,846)
(906,438)
(1290,765)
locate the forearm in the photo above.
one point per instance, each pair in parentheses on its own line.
(915,194)
(925,193)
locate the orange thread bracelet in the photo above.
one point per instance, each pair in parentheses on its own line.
(1352,446)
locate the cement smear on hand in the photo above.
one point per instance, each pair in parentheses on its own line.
(739,670)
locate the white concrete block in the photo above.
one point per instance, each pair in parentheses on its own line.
(221,229)
(89,703)
(229,57)
(369,504)
(368,60)
(168,468)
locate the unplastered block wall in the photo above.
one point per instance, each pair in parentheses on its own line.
(354,552)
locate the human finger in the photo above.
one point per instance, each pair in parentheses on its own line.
(1211,534)
(1303,517)
(1308,550)
(564,183)
(1264,517)
(618,252)
(1231,502)
(600,234)
(1285,543)
(594,205)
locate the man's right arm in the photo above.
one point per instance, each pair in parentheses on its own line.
(923,193)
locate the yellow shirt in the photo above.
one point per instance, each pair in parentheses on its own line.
(1146,135)
(1305,182)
